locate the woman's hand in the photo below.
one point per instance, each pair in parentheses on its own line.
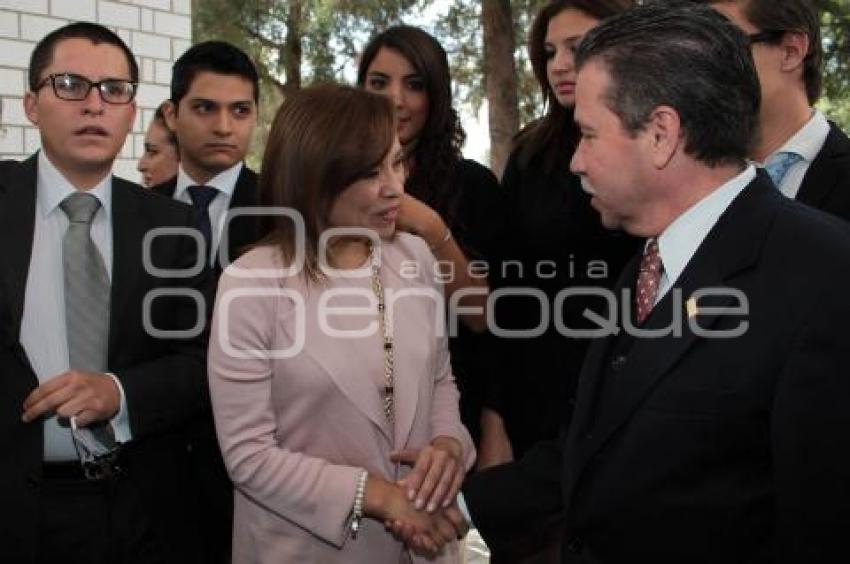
(437,473)
(387,502)
(416,217)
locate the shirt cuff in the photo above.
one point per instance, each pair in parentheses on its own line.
(121,422)
(464,510)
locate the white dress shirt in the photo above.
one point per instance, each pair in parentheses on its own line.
(681,239)
(225,183)
(43,331)
(807,143)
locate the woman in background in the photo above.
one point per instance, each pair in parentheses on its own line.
(162,157)
(327,356)
(454,203)
(557,238)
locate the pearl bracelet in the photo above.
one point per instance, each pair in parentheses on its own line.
(359,498)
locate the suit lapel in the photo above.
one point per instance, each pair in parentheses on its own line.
(18,217)
(241,231)
(335,357)
(410,381)
(365,397)
(128,231)
(731,246)
(245,190)
(821,178)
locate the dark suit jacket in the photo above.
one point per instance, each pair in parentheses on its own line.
(826,184)
(691,449)
(243,231)
(164,380)
(214,505)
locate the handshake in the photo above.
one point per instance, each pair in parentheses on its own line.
(421,510)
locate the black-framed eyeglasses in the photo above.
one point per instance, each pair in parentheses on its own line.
(769,36)
(73,87)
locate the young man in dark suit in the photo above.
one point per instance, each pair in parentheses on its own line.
(100,371)
(807,156)
(213,112)
(711,421)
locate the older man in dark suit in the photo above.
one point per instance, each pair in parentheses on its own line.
(711,422)
(102,364)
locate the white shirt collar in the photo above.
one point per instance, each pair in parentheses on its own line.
(224,182)
(52,187)
(809,140)
(681,239)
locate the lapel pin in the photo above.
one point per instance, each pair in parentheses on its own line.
(691,308)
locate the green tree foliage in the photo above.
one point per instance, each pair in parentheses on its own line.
(302,41)
(835,29)
(460,33)
(295,42)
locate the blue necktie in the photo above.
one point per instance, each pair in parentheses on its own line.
(777,165)
(202,197)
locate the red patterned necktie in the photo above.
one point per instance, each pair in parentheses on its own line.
(649,279)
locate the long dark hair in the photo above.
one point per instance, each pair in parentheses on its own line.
(555,135)
(438,144)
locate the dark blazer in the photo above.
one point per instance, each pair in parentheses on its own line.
(706,450)
(163,379)
(214,504)
(826,185)
(243,231)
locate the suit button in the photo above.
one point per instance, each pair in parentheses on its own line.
(575,545)
(618,363)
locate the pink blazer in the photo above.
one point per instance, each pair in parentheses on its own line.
(296,427)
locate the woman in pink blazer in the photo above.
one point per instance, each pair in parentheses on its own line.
(329,352)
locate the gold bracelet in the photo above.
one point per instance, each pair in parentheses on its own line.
(446,238)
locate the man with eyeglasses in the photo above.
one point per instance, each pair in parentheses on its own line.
(99,373)
(806,156)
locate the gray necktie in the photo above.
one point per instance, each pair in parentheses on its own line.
(86,287)
(86,302)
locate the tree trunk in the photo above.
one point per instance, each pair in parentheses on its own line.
(292,45)
(501,79)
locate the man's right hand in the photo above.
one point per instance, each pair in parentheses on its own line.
(447,524)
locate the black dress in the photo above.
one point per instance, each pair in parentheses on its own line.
(554,240)
(478,215)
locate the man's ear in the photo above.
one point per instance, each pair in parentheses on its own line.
(169,112)
(795,47)
(31,107)
(664,131)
